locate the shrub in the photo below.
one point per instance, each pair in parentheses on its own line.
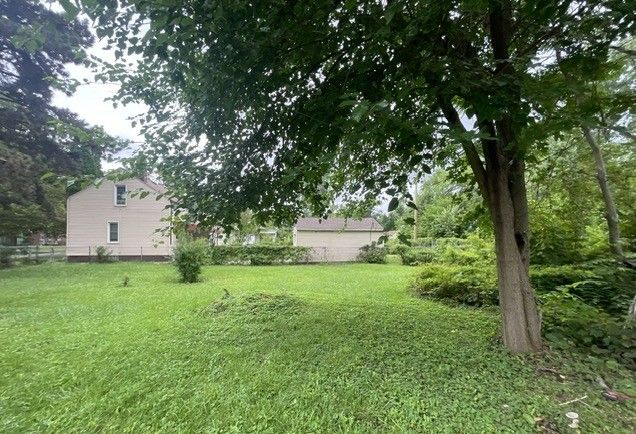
(461,251)
(417,255)
(603,284)
(549,278)
(372,253)
(188,257)
(102,254)
(611,288)
(568,320)
(468,251)
(257,255)
(471,285)
(6,257)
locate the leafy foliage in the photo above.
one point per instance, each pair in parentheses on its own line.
(569,320)
(566,208)
(103,254)
(372,254)
(189,257)
(37,138)
(257,254)
(6,257)
(603,286)
(368,83)
(461,251)
(470,285)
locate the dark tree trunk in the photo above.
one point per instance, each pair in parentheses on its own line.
(508,209)
(501,180)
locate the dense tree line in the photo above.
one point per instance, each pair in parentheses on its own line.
(37,138)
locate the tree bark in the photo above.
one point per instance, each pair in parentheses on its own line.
(507,201)
(502,184)
(520,316)
(501,180)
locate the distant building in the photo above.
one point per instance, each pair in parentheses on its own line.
(130,218)
(336,239)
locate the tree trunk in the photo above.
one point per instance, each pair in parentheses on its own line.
(611,213)
(501,181)
(520,316)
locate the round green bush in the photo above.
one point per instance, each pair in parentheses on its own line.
(188,257)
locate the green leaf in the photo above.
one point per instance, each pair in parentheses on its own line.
(393,204)
(71,10)
(404,239)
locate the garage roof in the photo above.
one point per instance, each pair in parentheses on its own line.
(367,224)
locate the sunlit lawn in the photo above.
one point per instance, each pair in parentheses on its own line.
(322,348)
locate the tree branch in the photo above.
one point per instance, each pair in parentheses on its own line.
(468,146)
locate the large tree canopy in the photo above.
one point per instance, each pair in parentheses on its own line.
(35,136)
(269,105)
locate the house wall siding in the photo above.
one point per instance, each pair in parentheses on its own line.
(335,246)
(90,210)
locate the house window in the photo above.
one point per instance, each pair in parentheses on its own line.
(120,195)
(113,232)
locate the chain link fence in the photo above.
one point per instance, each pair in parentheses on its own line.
(333,254)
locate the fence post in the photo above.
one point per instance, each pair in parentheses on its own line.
(141,252)
(37,253)
(89,254)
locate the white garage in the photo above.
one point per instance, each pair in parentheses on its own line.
(336,239)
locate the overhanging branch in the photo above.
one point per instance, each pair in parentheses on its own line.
(476,165)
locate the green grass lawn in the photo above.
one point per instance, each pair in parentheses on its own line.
(324,348)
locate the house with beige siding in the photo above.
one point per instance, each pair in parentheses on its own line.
(336,239)
(130,218)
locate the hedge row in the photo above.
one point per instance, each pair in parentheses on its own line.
(257,255)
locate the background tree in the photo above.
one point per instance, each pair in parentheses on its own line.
(566,206)
(36,137)
(300,102)
(600,103)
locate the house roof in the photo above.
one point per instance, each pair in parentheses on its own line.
(159,188)
(154,186)
(338,224)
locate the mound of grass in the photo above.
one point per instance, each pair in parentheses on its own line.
(319,348)
(260,305)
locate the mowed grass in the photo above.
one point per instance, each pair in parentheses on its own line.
(324,348)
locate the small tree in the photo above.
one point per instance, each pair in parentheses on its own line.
(188,257)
